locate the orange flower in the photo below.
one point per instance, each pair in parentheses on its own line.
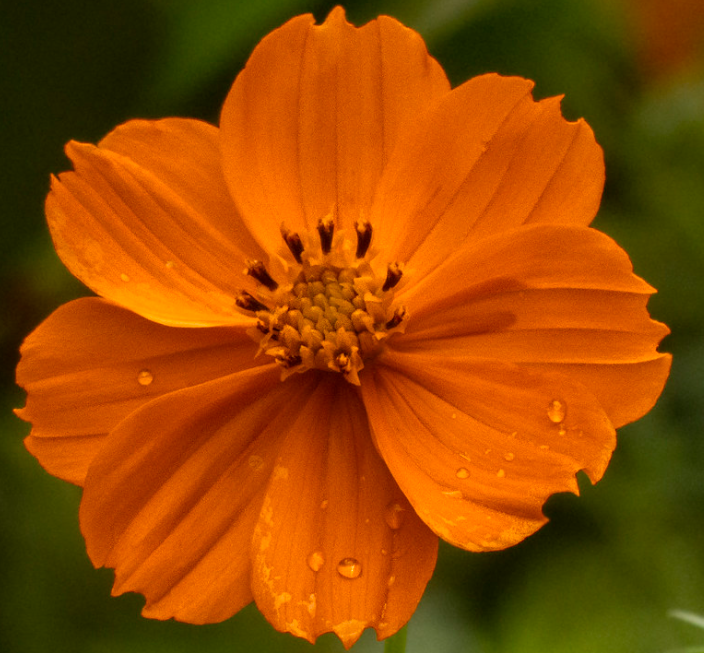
(443,342)
(669,34)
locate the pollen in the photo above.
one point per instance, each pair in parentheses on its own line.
(325,307)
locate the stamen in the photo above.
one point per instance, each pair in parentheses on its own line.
(397,318)
(393,276)
(333,313)
(326,227)
(245,301)
(342,361)
(364,237)
(288,361)
(293,242)
(263,328)
(257,270)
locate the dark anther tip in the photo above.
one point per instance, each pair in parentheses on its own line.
(257,270)
(364,237)
(249,303)
(393,276)
(326,228)
(293,242)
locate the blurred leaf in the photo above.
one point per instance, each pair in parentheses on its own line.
(204,37)
(689,617)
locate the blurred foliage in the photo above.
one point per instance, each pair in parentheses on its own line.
(603,574)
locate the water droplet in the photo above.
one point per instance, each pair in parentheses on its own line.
(462,472)
(391,581)
(169,264)
(509,456)
(324,504)
(256,462)
(124,277)
(556,411)
(453,494)
(145,377)
(394,516)
(454,415)
(349,568)
(501,473)
(316,561)
(562,431)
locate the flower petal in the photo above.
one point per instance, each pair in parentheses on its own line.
(474,445)
(556,298)
(146,221)
(171,500)
(311,121)
(91,363)
(337,546)
(486,158)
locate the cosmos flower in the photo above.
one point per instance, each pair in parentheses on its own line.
(668,34)
(365,312)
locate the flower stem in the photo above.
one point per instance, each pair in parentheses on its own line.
(396,643)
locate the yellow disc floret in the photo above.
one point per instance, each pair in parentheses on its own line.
(333,313)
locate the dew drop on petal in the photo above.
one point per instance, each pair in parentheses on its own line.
(509,456)
(145,377)
(124,277)
(349,568)
(454,415)
(394,516)
(316,561)
(453,494)
(462,472)
(169,264)
(501,473)
(556,411)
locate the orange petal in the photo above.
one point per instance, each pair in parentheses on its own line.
(311,121)
(171,500)
(337,546)
(556,297)
(476,446)
(486,158)
(146,221)
(90,364)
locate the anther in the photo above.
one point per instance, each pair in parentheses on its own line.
(248,303)
(342,361)
(364,236)
(293,242)
(326,227)
(393,276)
(261,326)
(397,318)
(257,270)
(289,361)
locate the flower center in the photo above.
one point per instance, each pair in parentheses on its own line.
(325,307)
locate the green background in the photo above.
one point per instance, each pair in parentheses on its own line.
(603,574)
